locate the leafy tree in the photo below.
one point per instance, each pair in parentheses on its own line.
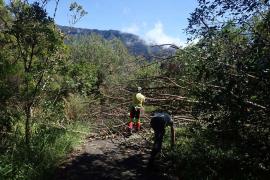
(8,71)
(211,15)
(36,40)
(229,76)
(77,13)
(105,61)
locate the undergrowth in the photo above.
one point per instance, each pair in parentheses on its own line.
(49,145)
(198,154)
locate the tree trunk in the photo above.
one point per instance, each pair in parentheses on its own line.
(27,124)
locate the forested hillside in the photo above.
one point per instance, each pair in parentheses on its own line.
(57,90)
(136,46)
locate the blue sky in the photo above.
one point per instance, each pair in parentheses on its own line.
(157,21)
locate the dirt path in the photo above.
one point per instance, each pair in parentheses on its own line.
(111,159)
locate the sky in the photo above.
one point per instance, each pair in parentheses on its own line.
(155,21)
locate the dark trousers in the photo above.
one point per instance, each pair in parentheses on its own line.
(159,134)
(134,118)
(135,113)
(158,125)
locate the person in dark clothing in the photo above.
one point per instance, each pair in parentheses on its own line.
(159,121)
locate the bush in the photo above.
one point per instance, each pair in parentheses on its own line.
(197,155)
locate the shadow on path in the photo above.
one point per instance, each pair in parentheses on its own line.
(103,159)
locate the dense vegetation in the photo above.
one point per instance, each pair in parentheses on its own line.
(227,73)
(54,88)
(49,88)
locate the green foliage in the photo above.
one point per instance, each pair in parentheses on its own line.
(76,107)
(8,72)
(95,63)
(46,88)
(77,12)
(227,74)
(30,42)
(146,70)
(50,144)
(224,81)
(197,155)
(32,55)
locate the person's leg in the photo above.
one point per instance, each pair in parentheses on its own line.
(137,119)
(157,144)
(132,114)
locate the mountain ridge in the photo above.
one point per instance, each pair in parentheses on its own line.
(135,45)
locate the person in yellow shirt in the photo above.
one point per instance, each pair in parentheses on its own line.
(138,101)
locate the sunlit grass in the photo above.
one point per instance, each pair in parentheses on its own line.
(49,146)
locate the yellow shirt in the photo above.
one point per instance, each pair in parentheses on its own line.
(138,99)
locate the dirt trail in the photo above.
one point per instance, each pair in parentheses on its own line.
(117,158)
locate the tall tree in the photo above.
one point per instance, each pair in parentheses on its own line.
(232,81)
(36,42)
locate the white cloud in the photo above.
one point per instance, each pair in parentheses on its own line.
(133,28)
(158,36)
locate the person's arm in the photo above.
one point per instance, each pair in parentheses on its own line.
(143,101)
(172,136)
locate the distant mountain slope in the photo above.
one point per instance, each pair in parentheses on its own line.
(135,45)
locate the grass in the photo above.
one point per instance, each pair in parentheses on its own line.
(49,146)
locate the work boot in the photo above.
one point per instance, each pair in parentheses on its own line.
(130,125)
(138,126)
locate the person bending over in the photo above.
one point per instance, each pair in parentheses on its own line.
(159,122)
